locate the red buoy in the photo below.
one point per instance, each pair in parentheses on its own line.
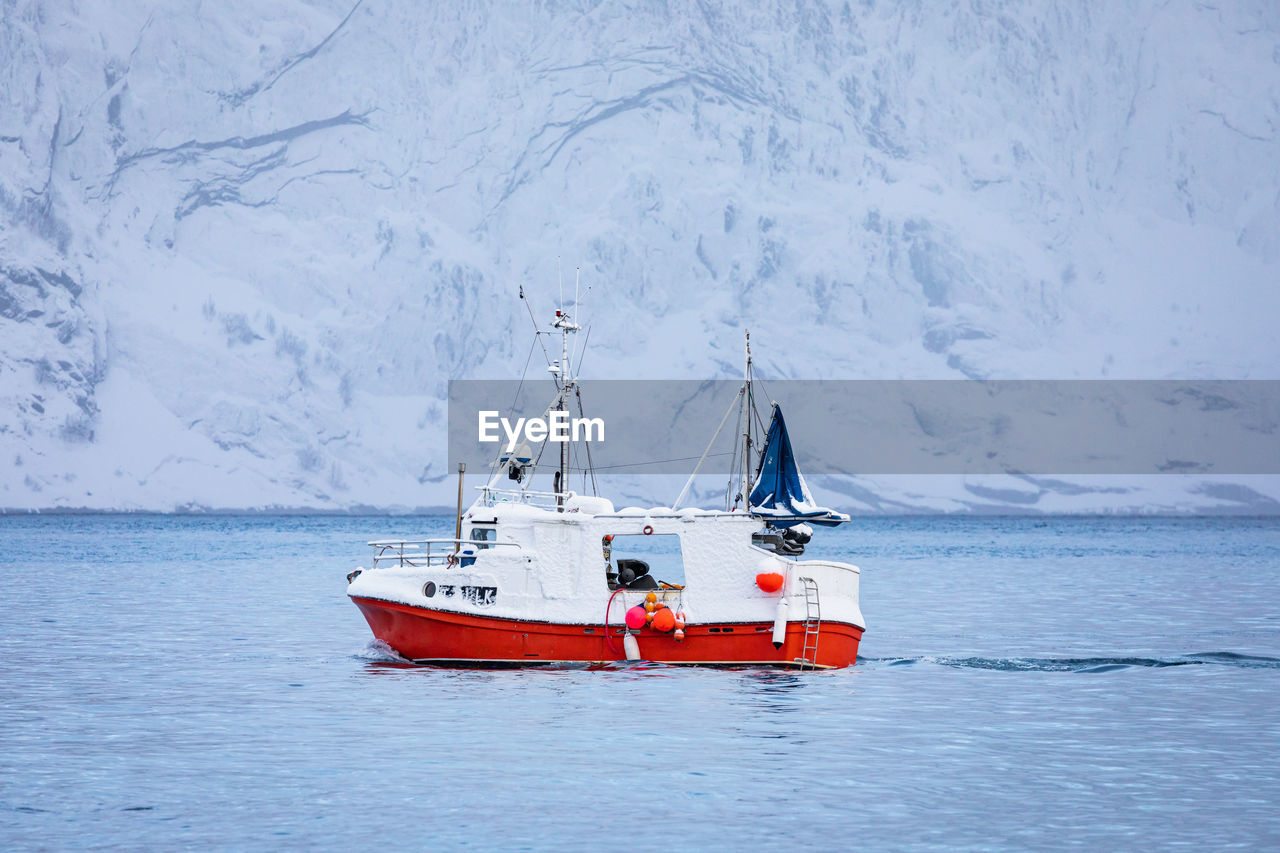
(769,581)
(664,620)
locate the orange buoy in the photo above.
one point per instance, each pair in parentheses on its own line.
(664,620)
(648,617)
(636,618)
(679,634)
(649,606)
(653,596)
(769,581)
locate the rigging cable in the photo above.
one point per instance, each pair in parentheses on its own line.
(537,333)
(586,444)
(512,410)
(577,358)
(733,463)
(651,462)
(523,373)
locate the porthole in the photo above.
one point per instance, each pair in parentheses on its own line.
(429,589)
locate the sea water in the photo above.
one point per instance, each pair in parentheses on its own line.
(1023,683)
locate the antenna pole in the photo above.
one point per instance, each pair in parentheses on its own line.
(564,352)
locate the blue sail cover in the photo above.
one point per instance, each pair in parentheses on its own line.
(780,494)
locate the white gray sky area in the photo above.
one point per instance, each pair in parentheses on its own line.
(244,246)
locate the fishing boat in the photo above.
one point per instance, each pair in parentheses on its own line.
(554,576)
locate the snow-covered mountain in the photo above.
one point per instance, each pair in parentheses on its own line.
(245,245)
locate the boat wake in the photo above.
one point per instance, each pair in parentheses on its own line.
(379,652)
(1090,664)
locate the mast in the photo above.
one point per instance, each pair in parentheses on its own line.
(748,408)
(457,527)
(562,476)
(567,382)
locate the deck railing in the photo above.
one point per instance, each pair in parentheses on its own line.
(546,500)
(426,552)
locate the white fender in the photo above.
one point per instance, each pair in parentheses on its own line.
(632,646)
(780,622)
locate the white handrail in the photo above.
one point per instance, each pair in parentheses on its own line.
(523,496)
(378,543)
(386,550)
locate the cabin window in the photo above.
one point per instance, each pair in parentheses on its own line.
(636,561)
(483,535)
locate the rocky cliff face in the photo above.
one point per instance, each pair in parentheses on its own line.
(244,246)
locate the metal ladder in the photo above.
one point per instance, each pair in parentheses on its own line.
(812,624)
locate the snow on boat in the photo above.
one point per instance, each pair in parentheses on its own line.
(534,577)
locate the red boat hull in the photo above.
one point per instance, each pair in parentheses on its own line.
(436,636)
